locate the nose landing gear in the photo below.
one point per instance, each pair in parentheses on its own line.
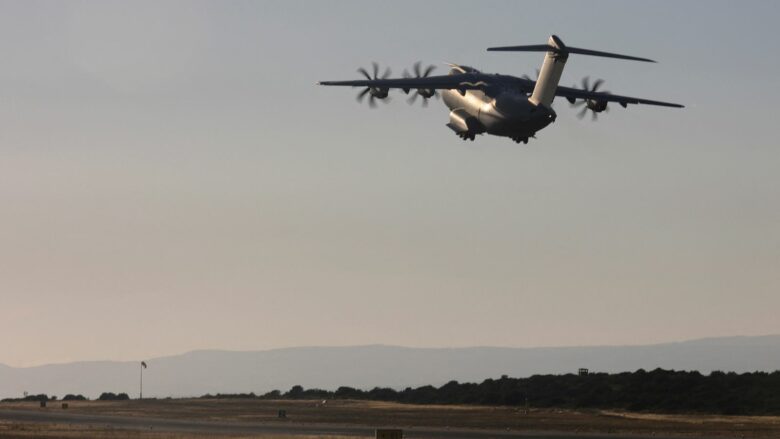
(520,139)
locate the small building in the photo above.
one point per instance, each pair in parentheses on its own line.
(583,371)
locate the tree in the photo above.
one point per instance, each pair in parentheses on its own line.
(295,392)
(273,394)
(111,396)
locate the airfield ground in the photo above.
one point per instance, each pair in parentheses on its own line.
(236,418)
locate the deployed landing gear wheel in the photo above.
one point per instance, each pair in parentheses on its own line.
(467,136)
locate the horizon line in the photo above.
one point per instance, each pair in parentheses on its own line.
(369,345)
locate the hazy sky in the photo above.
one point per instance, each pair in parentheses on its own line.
(172,179)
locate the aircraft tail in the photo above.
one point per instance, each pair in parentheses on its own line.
(550,73)
(554,61)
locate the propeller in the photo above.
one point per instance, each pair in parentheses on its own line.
(374,92)
(425,93)
(594,105)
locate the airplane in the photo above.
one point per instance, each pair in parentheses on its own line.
(500,105)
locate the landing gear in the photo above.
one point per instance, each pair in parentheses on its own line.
(467,136)
(519,139)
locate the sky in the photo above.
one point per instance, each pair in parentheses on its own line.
(171,178)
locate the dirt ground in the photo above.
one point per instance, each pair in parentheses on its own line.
(9,430)
(376,414)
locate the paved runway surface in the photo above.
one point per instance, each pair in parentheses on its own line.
(280,428)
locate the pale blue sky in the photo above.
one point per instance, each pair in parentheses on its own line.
(172,179)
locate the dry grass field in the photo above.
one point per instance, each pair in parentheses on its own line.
(10,430)
(378,414)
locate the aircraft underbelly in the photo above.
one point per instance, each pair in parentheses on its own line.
(520,118)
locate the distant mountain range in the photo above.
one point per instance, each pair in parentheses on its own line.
(215,371)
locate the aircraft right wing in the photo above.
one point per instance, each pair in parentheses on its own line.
(576,93)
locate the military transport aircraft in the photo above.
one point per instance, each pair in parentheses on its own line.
(501,105)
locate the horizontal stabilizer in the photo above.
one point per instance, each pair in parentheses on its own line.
(566,50)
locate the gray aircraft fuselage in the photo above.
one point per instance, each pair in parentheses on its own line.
(505,111)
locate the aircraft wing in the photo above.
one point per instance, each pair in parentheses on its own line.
(466,81)
(482,81)
(576,93)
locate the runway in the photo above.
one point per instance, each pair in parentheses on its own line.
(277,428)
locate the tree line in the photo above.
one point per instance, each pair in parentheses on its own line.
(105,396)
(659,390)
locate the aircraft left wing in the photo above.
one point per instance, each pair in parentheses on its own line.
(483,81)
(465,81)
(576,93)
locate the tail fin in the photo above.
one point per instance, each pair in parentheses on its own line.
(550,73)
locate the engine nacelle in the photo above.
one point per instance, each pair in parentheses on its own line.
(426,92)
(380,93)
(596,106)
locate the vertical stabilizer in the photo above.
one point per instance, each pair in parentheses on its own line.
(550,73)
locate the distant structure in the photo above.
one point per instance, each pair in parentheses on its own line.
(141,391)
(583,371)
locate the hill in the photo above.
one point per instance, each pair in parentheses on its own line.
(364,367)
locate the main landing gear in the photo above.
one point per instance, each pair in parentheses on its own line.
(466,135)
